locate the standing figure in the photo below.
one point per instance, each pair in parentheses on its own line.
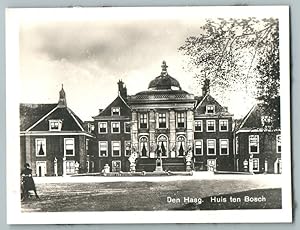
(27,182)
(188,159)
(132,159)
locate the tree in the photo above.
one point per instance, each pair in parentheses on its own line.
(237,54)
(269,83)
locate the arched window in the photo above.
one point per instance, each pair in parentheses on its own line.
(144,146)
(162,145)
(181,145)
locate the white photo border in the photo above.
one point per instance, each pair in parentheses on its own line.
(14,214)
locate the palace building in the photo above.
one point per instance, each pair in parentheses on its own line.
(165,127)
(164,122)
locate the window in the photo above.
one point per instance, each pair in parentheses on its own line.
(91,127)
(162,145)
(102,127)
(198,147)
(87,144)
(210,109)
(181,145)
(127,127)
(144,146)
(210,125)
(103,149)
(180,120)
(278,143)
(255,164)
(143,121)
(127,148)
(253,144)
(55,125)
(115,111)
(198,126)
(115,127)
(211,147)
(69,147)
(116,148)
(40,147)
(224,144)
(223,125)
(237,145)
(162,120)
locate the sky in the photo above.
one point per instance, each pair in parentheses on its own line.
(88,55)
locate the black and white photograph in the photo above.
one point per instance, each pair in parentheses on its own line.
(148,115)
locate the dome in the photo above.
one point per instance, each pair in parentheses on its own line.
(164,80)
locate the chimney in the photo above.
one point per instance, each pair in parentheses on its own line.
(122,89)
(62,102)
(205,87)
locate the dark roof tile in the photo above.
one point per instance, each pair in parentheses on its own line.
(31,113)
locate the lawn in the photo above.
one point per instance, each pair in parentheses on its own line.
(146,196)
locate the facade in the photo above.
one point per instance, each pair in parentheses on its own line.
(52,139)
(163,126)
(257,143)
(112,131)
(162,123)
(166,123)
(213,144)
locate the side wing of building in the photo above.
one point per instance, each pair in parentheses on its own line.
(53,140)
(257,143)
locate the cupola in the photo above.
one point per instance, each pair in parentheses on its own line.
(164,81)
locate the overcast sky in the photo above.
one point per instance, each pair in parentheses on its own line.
(89,56)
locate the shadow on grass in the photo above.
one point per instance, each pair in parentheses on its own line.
(251,199)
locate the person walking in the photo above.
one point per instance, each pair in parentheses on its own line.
(27,183)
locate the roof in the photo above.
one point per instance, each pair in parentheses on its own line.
(254,117)
(161,96)
(31,113)
(164,82)
(209,100)
(118,102)
(35,117)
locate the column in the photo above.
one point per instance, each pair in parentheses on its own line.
(134,130)
(152,141)
(172,125)
(190,127)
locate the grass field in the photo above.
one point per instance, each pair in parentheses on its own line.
(146,196)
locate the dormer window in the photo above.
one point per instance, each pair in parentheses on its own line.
(55,125)
(115,111)
(210,109)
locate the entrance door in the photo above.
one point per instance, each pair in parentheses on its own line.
(116,166)
(41,169)
(211,165)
